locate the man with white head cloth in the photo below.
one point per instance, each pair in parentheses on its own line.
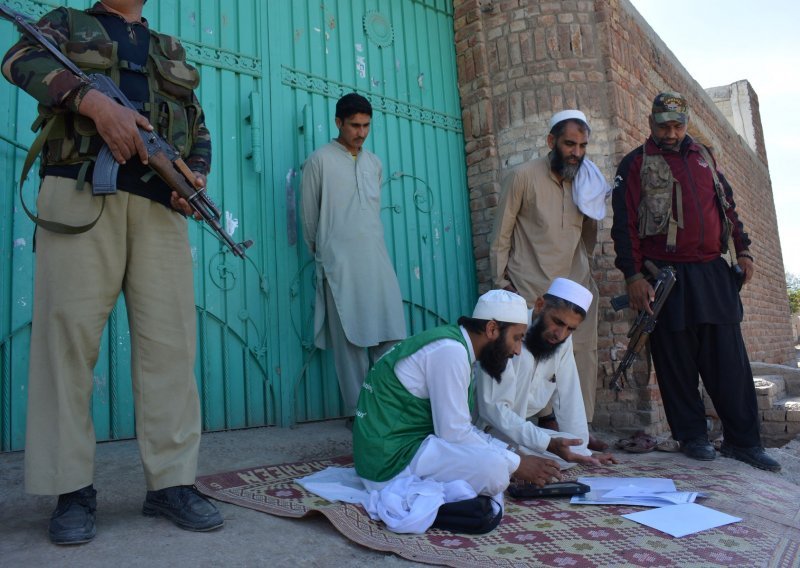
(416,451)
(545,370)
(414,414)
(546,228)
(414,445)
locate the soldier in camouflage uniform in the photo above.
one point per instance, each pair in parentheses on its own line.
(673,207)
(139,246)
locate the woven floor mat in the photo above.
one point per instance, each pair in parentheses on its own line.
(551,532)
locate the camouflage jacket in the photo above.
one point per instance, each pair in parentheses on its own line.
(173,109)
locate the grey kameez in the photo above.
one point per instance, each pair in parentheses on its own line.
(340,208)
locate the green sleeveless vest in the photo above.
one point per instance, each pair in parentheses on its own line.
(391,423)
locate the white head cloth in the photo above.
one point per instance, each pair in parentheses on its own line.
(501,305)
(571,292)
(590,190)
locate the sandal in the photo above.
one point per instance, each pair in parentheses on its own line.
(668,445)
(639,443)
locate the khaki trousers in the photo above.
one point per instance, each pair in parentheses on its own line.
(141,248)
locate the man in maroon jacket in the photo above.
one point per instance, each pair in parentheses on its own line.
(671,206)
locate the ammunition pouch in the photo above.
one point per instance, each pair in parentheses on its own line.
(172,108)
(660,190)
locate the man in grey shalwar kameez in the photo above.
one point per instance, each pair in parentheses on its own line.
(358,303)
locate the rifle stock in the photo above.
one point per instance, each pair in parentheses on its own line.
(163,158)
(644,324)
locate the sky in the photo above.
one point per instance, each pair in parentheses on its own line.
(723,41)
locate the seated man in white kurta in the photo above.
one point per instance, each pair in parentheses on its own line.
(545,370)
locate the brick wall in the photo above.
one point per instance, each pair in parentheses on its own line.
(520,61)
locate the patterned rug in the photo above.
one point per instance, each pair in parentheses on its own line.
(551,532)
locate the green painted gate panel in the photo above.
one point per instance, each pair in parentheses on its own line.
(223,40)
(235,351)
(398,53)
(16,235)
(271,73)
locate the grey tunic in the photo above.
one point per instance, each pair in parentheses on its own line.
(341,204)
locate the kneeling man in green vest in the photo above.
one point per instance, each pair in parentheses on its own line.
(419,461)
(414,417)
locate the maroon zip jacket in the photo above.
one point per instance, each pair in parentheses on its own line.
(700,240)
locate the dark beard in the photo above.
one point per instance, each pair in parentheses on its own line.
(494,357)
(566,171)
(541,349)
(667,147)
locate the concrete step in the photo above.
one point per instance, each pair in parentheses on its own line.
(781,423)
(790,374)
(769,389)
(791,404)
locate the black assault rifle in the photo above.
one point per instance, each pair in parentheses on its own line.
(645,323)
(163,159)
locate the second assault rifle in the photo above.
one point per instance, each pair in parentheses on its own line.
(163,159)
(645,323)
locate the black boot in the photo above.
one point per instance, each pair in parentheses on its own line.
(184,506)
(698,448)
(73,520)
(755,456)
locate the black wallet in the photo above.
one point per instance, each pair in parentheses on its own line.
(522,490)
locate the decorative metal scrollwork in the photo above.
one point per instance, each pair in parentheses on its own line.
(378,29)
(334,89)
(422,202)
(222,59)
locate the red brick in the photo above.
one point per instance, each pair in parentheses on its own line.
(521,61)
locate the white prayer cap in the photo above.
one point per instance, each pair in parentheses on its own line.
(571,292)
(566,115)
(501,305)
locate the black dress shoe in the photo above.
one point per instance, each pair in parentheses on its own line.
(755,456)
(184,506)
(72,522)
(698,449)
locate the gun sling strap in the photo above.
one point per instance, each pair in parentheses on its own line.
(53,226)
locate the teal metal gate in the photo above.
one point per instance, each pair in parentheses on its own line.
(271,74)
(400,55)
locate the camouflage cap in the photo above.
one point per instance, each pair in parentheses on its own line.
(670,106)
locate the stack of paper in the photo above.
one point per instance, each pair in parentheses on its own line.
(640,491)
(676,513)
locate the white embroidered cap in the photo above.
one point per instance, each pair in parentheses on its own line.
(571,292)
(567,114)
(501,305)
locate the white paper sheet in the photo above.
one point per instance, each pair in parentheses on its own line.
(639,491)
(682,520)
(652,484)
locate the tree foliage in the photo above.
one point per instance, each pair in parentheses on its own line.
(793,288)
